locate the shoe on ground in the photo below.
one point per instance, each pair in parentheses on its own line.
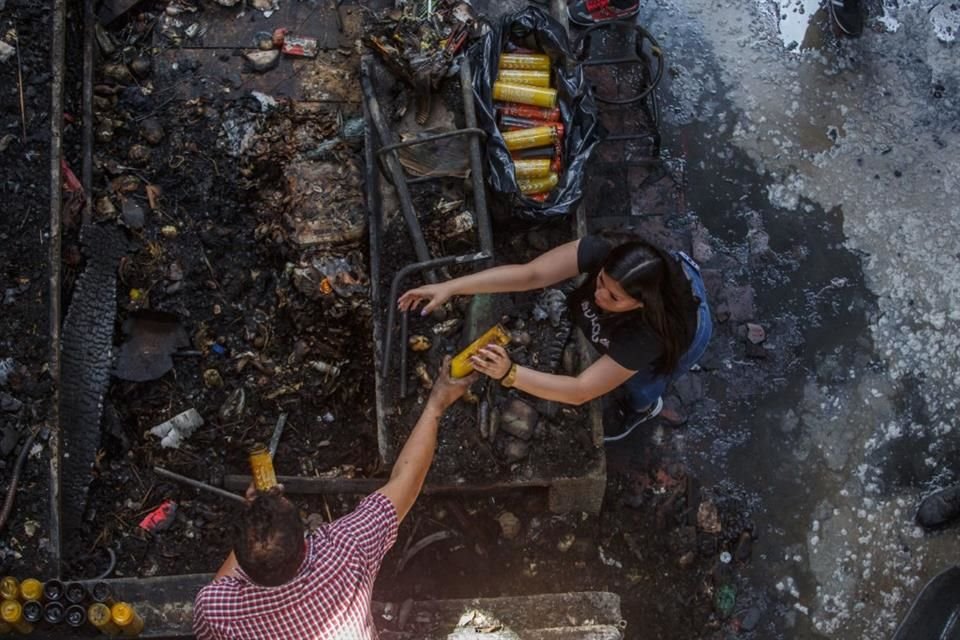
(939,507)
(636,419)
(847,15)
(587,13)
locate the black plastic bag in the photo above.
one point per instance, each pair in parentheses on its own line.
(532,28)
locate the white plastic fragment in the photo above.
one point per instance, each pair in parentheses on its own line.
(174,431)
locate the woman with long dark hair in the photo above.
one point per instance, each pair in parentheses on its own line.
(644,309)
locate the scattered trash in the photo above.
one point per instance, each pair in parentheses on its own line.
(708,519)
(481,624)
(552,305)
(300,46)
(939,508)
(261,61)
(446,157)
(419,343)
(329,371)
(174,431)
(161,518)
(608,560)
(6,52)
(8,403)
(519,419)
(750,619)
(509,525)
(755,333)
(233,407)
(420,49)
(212,378)
(153,337)
(515,450)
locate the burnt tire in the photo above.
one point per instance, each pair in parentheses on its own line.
(86,359)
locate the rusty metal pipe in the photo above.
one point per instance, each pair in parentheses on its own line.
(484,229)
(170,475)
(394,168)
(395,292)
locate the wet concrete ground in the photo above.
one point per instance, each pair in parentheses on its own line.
(830,165)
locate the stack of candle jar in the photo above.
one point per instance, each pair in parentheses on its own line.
(32,604)
(529,121)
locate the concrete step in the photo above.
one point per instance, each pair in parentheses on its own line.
(590,615)
(166,605)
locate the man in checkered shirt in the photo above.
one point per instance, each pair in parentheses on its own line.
(280,584)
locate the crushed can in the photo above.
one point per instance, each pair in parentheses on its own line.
(299,46)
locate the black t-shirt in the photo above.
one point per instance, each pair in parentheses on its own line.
(630,341)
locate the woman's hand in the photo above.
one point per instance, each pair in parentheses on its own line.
(434,295)
(492,360)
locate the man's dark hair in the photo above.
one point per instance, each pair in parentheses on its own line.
(268,540)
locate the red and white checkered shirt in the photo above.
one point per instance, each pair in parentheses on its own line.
(329,599)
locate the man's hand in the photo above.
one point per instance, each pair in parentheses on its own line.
(252,492)
(447,390)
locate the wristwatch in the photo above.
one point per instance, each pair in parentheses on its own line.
(510,377)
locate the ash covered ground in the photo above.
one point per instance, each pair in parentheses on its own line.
(817,182)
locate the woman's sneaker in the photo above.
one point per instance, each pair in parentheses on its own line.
(636,419)
(587,13)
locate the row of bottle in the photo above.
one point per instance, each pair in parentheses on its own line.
(529,121)
(29,604)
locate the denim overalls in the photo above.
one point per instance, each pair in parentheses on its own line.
(645,387)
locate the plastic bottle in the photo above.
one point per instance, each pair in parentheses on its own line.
(538,185)
(75,592)
(76,615)
(99,616)
(128,620)
(532,61)
(53,612)
(12,614)
(461,366)
(534,153)
(537,96)
(524,76)
(33,611)
(535,137)
(512,123)
(527,169)
(52,590)
(101,592)
(529,111)
(31,589)
(9,588)
(261,467)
